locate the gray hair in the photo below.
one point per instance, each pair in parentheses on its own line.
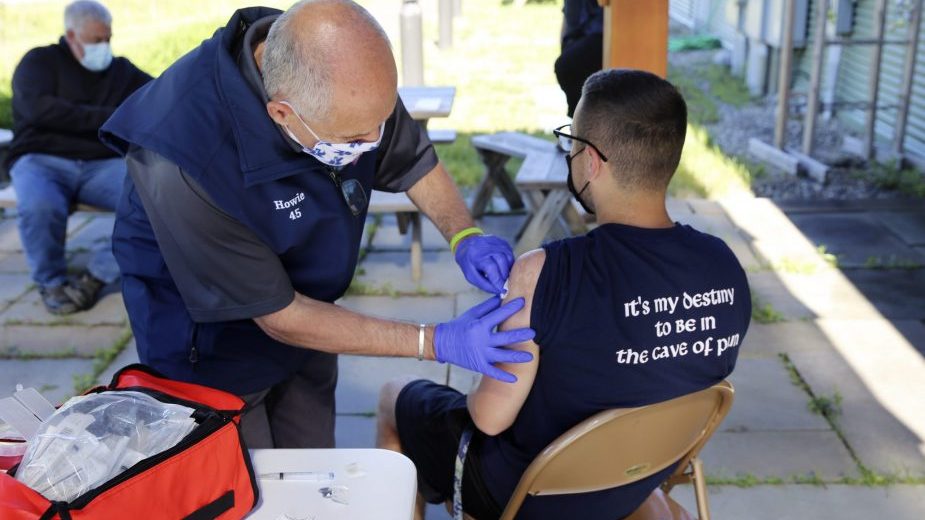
(76,14)
(296,73)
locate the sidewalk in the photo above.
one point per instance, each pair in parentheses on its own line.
(829,385)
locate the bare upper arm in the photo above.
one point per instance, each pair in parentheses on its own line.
(494,404)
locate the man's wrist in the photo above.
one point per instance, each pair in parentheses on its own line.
(424,350)
(462,235)
(421,332)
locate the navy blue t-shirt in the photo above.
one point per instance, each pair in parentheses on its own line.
(624,317)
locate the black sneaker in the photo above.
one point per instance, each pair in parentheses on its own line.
(83,289)
(57,301)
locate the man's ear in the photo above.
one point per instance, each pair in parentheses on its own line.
(595,163)
(278,112)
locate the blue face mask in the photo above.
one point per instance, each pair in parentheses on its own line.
(97,56)
(334,154)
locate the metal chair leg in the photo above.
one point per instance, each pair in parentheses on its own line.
(700,489)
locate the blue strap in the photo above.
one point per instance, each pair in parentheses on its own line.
(461,453)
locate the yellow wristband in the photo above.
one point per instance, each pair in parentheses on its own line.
(468,232)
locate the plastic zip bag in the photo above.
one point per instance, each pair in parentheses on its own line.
(95,437)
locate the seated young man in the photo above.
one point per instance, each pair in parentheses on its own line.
(640,310)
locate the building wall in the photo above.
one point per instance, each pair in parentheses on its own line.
(854,71)
(846,72)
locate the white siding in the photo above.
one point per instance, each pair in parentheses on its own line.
(854,71)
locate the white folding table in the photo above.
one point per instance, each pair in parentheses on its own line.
(381,484)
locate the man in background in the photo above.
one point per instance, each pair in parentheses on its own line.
(62,94)
(582,47)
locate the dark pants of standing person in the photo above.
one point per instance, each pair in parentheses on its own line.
(297,413)
(579,59)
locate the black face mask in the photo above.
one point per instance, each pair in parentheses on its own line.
(571,187)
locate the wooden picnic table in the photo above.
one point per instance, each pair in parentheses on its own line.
(541,179)
(425,103)
(422,103)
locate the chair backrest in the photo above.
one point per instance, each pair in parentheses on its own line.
(621,446)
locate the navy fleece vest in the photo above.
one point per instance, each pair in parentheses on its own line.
(202,115)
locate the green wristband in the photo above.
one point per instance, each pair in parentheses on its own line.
(468,232)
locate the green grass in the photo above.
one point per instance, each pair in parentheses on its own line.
(705,171)
(501,64)
(726,87)
(891,176)
(151,34)
(101,361)
(794,265)
(872,478)
(891,262)
(694,42)
(765,313)
(14,352)
(822,260)
(826,406)
(701,108)
(827,257)
(868,478)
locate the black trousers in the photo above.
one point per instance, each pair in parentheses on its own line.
(579,59)
(297,413)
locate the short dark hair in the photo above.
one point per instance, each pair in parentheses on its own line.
(638,120)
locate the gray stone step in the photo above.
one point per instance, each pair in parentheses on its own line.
(54,378)
(896,294)
(802,502)
(908,226)
(392,271)
(857,239)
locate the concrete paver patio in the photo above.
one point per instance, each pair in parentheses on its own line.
(850,337)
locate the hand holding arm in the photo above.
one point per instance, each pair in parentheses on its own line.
(468,341)
(485,260)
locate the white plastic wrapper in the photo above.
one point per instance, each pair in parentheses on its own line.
(93,438)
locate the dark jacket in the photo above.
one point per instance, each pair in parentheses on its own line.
(59,106)
(203,116)
(581,18)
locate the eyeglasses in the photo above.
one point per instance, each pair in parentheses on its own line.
(566,142)
(353,192)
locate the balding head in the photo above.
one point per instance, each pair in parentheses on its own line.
(332,62)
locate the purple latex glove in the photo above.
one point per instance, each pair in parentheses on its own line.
(469,340)
(486,261)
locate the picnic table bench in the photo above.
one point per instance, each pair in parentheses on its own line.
(405,211)
(6,138)
(541,180)
(422,103)
(408,215)
(8,201)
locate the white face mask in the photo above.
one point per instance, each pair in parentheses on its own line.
(334,154)
(97,56)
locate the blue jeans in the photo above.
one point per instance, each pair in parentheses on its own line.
(46,188)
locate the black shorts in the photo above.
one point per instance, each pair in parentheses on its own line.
(431,419)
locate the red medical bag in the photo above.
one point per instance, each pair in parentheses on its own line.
(208,475)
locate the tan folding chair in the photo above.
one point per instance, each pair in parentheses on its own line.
(621,446)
